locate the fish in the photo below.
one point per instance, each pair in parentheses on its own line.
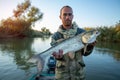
(71,44)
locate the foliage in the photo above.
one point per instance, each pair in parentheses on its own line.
(87,28)
(117,29)
(21,22)
(45,31)
(13,27)
(111,33)
(108,33)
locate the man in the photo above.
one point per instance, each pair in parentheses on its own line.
(69,66)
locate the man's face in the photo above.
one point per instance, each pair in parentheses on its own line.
(66,16)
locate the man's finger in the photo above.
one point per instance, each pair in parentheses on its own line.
(60,53)
(54,53)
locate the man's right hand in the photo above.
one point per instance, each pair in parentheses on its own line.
(58,55)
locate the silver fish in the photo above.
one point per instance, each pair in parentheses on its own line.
(71,44)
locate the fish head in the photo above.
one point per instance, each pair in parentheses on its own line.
(89,36)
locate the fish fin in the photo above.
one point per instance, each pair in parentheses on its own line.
(85,48)
(37,60)
(33,59)
(40,65)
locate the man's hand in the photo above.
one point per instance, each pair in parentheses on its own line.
(90,46)
(58,55)
(94,43)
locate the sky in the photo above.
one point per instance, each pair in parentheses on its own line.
(87,13)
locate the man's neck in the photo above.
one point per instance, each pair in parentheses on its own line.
(67,27)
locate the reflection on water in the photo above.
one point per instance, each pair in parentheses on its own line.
(19,49)
(14,54)
(115,54)
(101,65)
(113,49)
(109,45)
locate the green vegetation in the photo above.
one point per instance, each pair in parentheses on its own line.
(108,33)
(43,32)
(111,34)
(20,24)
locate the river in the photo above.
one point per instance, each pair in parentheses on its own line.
(102,64)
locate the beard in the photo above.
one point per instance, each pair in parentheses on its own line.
(67,23)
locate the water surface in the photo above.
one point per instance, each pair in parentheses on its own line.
(102,64)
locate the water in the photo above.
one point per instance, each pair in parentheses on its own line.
(102,64)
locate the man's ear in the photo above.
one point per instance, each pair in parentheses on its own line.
(60,16)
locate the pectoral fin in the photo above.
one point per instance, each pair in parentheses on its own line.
(71,55)
(85,48)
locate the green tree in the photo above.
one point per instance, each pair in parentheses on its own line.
(27,12)
(21,8)
(45,31)
(117,29)
(21,22)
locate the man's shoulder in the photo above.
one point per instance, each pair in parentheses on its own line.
(57,35)
(80,30)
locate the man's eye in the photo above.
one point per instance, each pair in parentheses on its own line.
(65,14)
(69,14)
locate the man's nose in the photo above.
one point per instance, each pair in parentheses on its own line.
(67,17)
